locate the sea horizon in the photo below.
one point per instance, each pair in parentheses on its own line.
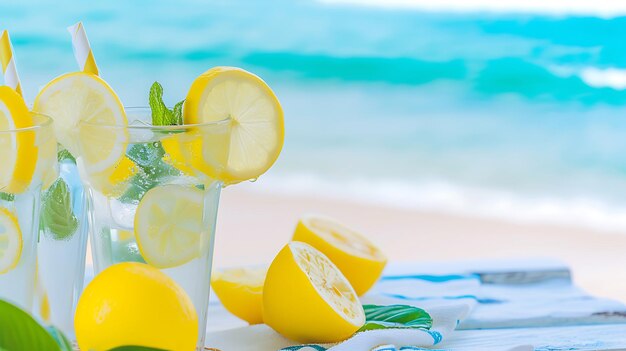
(505,114)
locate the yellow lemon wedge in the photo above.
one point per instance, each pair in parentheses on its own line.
(18,153)
(357,258)
(256,133)
(10,241)
(135,304)
(78,97)
(240,290)
(306,298)
(169,225)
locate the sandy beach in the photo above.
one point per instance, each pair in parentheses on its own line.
(253,226)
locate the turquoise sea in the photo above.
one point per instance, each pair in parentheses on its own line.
(521,116)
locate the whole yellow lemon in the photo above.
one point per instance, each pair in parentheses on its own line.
(135,304)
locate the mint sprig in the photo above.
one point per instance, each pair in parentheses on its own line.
(64,155)
(395,316)
(57,218)
(7,197)
(161,115)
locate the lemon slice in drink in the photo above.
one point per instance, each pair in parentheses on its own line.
(240,290)
(307,299)
(256,123)
(169,226)
(83,97)
(10,241)
(18,153)
(357,257)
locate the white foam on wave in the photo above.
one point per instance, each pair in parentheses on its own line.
(604,78)
(602,8)
(455,199)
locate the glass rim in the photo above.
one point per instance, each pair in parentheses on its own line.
(131,109)
(41,121)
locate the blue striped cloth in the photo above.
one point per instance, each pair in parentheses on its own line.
(483,305)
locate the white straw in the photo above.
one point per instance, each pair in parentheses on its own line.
(82,49)
(11,78)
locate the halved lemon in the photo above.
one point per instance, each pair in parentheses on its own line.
(256,131)
(169,225)
(240,290)
(10,241)
(307,299)
(357,257)
(83,97)
(18,152)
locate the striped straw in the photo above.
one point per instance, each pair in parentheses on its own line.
(8,63)
(82,49)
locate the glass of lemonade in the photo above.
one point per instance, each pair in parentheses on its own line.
(28,160)
(157,204)
(62,247)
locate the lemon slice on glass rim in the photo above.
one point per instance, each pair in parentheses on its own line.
(256,132)
(18,152)
(81,104)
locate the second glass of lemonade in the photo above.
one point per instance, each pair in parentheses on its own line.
(151,200)
(28,163)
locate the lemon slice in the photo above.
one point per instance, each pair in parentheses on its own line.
(79,96)
(10,241)
(18,153)
(256,130)
(240,290)
(357,258)
(306,297)
(169,226)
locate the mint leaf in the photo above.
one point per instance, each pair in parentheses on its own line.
(178,113)
(395,316)
(153,170)
(161,115)
(146,155)
(7,197)
(64,155)
(20,331)
(57,218)
(150,176)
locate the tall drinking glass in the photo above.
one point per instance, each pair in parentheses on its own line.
(28,159)
(62,247)
(152,201)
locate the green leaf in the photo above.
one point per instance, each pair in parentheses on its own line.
(161,115)
(7,197)
(20,331)
(135,348)
(395,316)
(60,338)
(149,158)
(146,155)
(178,113)
(57,217)
(64,155)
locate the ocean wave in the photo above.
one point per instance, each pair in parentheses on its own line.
(600,78)
(440,196)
